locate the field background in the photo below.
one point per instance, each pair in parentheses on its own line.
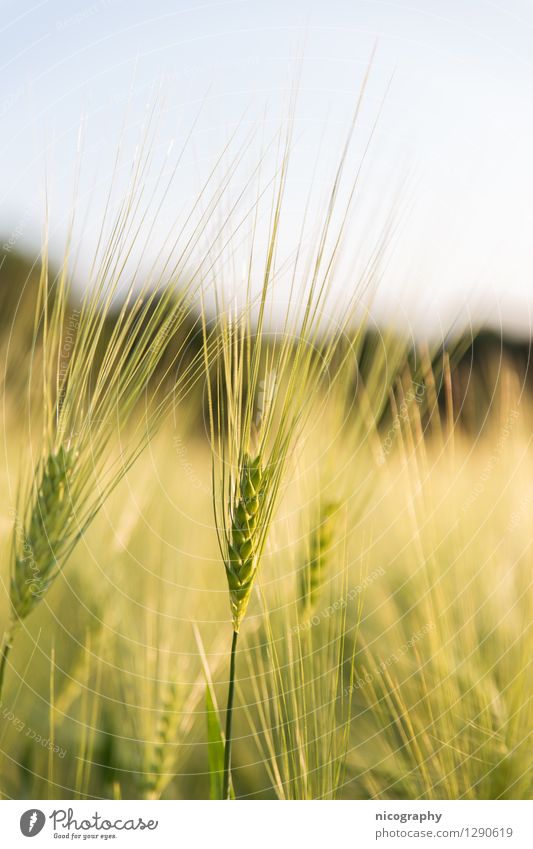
(428,582)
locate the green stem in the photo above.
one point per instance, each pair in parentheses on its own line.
(6,648)
(229,717)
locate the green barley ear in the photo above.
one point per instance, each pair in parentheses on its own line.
(243,549)
(39,543)
(162,751)
(313,572)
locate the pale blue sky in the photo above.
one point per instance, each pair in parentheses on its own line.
(458,117)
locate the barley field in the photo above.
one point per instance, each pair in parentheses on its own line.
(398,670)
(255,559)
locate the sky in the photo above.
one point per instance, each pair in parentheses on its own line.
(450,85)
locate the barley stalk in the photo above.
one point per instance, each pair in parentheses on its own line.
(264,387)
(226,785)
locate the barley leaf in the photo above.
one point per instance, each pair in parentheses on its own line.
(215,747)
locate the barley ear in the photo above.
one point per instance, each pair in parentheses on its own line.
(42,538)
(242,559)
(160,762)
(313,572)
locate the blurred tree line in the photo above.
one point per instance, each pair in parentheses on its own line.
(481,362)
